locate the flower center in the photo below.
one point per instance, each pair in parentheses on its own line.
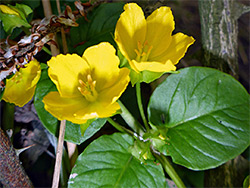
(142,51)
(87,88)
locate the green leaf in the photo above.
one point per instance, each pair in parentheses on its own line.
(44,86)
(32,4)
(76,134)
(206,114)
(73,132)
(246,182)
(11,21)
(3,34)
(106,162)
(99,27)
(1,92)
(22,9)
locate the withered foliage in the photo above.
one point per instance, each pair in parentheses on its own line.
(16,56)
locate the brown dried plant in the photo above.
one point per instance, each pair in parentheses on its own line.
(16,56)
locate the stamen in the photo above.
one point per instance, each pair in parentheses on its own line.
(87,88)
(137,52)
(82,83)
(143,54)
(89,79)
(92,86)
(143,51)
(139,46)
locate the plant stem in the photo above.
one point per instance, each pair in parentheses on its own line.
(115,125)
(121,128)
(72,148)
(139,101)
(170,170)
(48,12)
(59,153)
(130,120)
(73,153)
(8,116)
(64,41)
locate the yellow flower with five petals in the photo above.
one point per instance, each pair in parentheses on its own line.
(148,44)
(88,86)
(20,88)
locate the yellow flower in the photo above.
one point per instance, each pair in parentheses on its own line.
(88,86)
(148,44)
(21,87)
(7,10)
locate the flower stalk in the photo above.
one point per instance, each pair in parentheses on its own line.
(115,125)
(139,101)
(170,171)
(130,120)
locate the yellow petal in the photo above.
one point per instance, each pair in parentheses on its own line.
(21,87)
(65,71)
(7,10)
(108,111)
(103,80)
(160,25)
(130,28)
(111,94)
(153,66)
(98,110)
(176,49)
(104,65)
(65,108)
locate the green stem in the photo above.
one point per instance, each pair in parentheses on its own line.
(8,116)
(139,101)
(115,125)
(130,120)
(170,171)
(120,128)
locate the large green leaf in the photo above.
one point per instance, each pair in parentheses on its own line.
(73,133)
(206,114)
(99,27)
(106,162)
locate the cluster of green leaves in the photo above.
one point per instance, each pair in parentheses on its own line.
(17,20)
(202,113)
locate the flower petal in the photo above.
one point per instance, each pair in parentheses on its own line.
(176,49)
(97,110)
(65,71)
(104,65)
(111,94)
(153,66)
(65,108)
(130,28)
(21,87)
(160,25)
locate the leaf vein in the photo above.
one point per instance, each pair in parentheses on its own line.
(196,148)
